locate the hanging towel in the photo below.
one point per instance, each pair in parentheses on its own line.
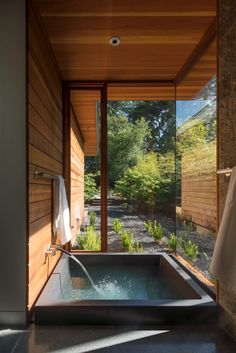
(223,264)
(61,213)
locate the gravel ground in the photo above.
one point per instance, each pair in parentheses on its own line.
(135,223)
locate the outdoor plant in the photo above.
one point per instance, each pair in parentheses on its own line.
(90,187)
(183,239)
(157,231)
(191,250)
(127,240)
(89,240)
(117,225)
(138,247)
(92,218)
(154,229)
(148,226)
(173,242)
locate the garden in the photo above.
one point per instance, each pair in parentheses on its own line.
(144,173)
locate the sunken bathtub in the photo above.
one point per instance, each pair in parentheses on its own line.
(129,289)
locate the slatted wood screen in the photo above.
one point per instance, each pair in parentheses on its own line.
(45,151)
(198,186)
(77,175)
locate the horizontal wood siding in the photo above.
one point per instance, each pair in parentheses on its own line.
(77,175)
(45,151)
(199,188)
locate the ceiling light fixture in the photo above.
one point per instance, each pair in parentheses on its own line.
(114,41)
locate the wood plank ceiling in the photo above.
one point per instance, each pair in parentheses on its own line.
(157,39)
(157,36)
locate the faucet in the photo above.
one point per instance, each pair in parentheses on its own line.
(53,248)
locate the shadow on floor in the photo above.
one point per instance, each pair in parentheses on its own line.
(115,339)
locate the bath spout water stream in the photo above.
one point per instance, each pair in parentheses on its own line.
(81,265)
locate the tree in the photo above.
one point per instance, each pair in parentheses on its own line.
(141,182)
(160,117)
(192,137)
(150,182)
(126,142)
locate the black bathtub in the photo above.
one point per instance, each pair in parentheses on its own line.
(181,301)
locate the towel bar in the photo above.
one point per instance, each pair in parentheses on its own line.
(38,174)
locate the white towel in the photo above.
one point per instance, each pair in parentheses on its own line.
(61,213)
(223,264)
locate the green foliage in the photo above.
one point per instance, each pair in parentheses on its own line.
(173,241)
(127,240)
(182,239)
(154,229)
(138,247)
(139,185)
(92,218)
(148,226)
(159,116)
(89,240)
(192,137)
(90,186)
(167,178)
(117,225)
(126,142)
(191,250)
(150,181)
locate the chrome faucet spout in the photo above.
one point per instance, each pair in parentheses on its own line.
(58,247)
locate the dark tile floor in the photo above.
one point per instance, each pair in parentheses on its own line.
(115,339)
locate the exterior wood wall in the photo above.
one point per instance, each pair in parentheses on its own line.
(199,187)
(227,134)
(199,200)
(45,148)
(77,175)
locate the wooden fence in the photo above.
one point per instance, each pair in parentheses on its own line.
(198,186)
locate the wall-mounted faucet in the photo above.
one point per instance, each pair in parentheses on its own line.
(53,248)
(51,251)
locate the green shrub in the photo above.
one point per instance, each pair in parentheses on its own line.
(148,226)
(173,241)
(127,240)
(154,229)
(157,231)
(191,250)
(92,218)
(138,247)
(89,240)
(117,225)
(140,183)
(90,186)
(182,239)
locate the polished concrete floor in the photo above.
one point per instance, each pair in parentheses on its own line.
(115,339)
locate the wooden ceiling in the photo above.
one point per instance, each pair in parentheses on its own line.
(160,40)
(157,36)
(85,107)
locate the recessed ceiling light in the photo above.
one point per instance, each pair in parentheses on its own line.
(114,41)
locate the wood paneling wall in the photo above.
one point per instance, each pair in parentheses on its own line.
(45,147)
(199,199)
(227,134)
(77,175)
(199,186)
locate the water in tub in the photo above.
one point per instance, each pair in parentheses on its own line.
(119,283)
